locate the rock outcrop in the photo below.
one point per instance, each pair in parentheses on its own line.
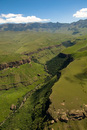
(14,64)
(38,74)
(13,107)
(77,114)
(42,49)
(52,121)
(65,116)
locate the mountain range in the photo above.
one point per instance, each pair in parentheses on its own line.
(43,26)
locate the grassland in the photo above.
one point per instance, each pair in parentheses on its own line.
(16,82)
(32,115)
(81,42)
(13,45)
(70,92)
(71,87)
(71,125)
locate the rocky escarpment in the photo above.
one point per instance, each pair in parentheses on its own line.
(24,61)
(60,114)
(14,64)
(41,49)
(69,115)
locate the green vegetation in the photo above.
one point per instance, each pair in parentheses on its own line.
(32,114)
(16,82)
(13,45)
(70,92)
(71,125)
(71,87)
(81,42)
(47,75)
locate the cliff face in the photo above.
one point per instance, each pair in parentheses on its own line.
(24,61)
(14,64)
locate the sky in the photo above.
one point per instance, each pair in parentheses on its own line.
(25,11)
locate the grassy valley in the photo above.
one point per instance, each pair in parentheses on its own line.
(19,77)
(43,77)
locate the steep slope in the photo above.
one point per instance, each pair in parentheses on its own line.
(34,109)
(23,57)
(30,60)
(69,93)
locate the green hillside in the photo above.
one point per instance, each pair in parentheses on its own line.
(69,94)
(43,76)
(23,69)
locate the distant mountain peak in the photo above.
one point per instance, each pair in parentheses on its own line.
(42,26)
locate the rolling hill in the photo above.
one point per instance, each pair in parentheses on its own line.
(43,76)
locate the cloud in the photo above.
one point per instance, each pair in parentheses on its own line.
(18,18)
(82,13)
(10,15)
(2,20)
